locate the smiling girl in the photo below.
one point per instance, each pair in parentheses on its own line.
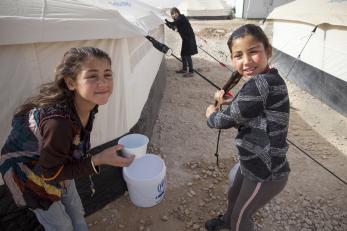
(260,111)
(47,147)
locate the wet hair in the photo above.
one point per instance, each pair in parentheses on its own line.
(174,10)
(57,92)
(249,29)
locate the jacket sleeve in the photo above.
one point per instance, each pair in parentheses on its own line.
(169,24)
(56,160)
(248,104)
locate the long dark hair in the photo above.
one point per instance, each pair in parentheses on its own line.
(253,30)
(56,92)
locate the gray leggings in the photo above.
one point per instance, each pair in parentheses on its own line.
(245,197)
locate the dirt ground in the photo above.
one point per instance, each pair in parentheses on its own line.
(196,187)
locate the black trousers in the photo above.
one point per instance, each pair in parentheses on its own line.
(187,61)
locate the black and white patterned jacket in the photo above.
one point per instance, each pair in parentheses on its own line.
(261,111)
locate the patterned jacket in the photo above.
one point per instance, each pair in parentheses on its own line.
(45,147)
(261,112)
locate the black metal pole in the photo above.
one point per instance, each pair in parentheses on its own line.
(164,49)
(201,75)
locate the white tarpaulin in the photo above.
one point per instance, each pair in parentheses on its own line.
(315,12)
(35,34)
(256,8)
(136,12)
(167,4)
(201,8)
(29,21)
(326,49)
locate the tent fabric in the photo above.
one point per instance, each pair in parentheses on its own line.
(310,40)
(71,20)
(167,4)
(138,13)
(256,8)
(200,8)
(326,49)
(315,12)
(293,24)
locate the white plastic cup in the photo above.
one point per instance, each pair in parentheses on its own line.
(134,144)
(146,180)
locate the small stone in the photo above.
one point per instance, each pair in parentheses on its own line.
(164,218)
(309,222)
(189,224)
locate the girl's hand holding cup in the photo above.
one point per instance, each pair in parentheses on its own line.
(110,156)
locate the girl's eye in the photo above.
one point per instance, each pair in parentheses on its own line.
(108,76)
(237,56)
(92,77)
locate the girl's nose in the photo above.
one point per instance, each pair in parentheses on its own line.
(247,59)
(102,81)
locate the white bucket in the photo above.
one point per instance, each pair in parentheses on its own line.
(135,144)
(146,180)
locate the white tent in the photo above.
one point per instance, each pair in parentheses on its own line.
(256,8)
(167,4)
(36,33)
(322,69)
(205,8)
(138,13)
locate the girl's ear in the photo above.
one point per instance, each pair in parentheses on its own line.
(70,83)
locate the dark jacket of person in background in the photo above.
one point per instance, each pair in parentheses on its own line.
(187,34)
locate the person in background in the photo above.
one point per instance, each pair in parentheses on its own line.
(188,48)
(260,111)
(47,147)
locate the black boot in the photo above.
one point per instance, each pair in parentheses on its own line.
(181,71)
(215,223)
(189,74)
